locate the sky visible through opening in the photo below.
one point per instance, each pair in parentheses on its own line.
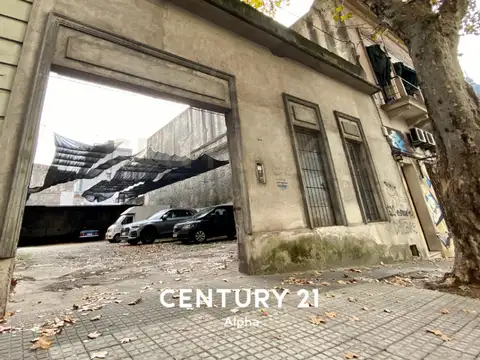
(93,113)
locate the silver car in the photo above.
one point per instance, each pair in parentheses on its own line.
(159,225)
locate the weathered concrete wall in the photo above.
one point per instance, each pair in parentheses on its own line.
(319,26)
(188,131)
(14,15)
(50,196)
(192,133)
(260,79)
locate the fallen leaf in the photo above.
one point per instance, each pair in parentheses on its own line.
(98,317)
(343,282)
(468,311)
(175,296)
(225,280)
(10,313)
(118,301)
(99,355)
(135,302)
(325,283)
(263,312)
(331,315)
(436,332)
(351,356)
(387,310)
(317,320)
(42,343)
(351,299)
(330,295)
(49,332)
(94,335)
(365,308)
(178,279)
(125,340)
(354,318)
(356,270)
(445,311)
(445,337)
(235,310)
(309,303)
(69,320)
(381,263)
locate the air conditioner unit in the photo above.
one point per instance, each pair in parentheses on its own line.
(430,140)
(417,137)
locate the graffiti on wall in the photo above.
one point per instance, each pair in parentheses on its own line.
(405,227)
(398,141)
(396,205)
(435,212)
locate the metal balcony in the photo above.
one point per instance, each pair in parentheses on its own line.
(401,104)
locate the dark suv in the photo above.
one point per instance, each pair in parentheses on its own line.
(214,221)
(157,226)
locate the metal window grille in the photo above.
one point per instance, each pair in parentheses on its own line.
(317,191)
(363,176)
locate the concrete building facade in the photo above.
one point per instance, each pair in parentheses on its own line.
(296,115)
(193,133)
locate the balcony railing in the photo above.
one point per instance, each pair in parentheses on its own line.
(404,101)
(401,88)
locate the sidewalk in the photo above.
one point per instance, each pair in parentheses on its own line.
(371,321)
(357,317)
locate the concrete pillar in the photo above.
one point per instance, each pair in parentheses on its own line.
(6,273)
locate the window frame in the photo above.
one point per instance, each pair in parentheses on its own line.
(332,181)
(378,194)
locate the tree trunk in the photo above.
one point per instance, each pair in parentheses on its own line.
(455,114)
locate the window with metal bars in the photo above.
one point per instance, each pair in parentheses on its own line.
(361,168)
(314,176)
(363,178)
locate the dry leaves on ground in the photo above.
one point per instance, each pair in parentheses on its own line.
(42,342)
(445,311)
(98,317)
(235,310)
(135,302)
(294,281)
(263,312)
(325,283)
(352,299)
(331,315)
(355,270)
(125,340)
(94,335)
(365,308)
(354,318)
(440,335)
(317,320)
(468,311)
(401,281)
(351,356)
(387,310)
(99,355)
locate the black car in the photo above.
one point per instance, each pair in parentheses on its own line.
(211,222)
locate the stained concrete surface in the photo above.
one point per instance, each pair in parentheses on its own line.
(51,279)
(361,314)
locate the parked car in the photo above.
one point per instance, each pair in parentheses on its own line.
(89,234)
(159,225)
(211,222)
(133,214)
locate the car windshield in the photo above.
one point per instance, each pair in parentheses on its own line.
(157,215)
(203,212)
(120,219)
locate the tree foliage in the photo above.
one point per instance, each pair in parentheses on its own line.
(268,7)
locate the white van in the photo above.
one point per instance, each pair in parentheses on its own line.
(133,214)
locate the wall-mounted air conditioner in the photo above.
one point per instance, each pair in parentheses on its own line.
(430,140)
(417,137)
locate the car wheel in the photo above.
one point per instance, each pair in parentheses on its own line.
(149,237)
(133,241)
(200,236)
(116,239)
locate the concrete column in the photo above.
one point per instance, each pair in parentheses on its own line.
(6,273)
